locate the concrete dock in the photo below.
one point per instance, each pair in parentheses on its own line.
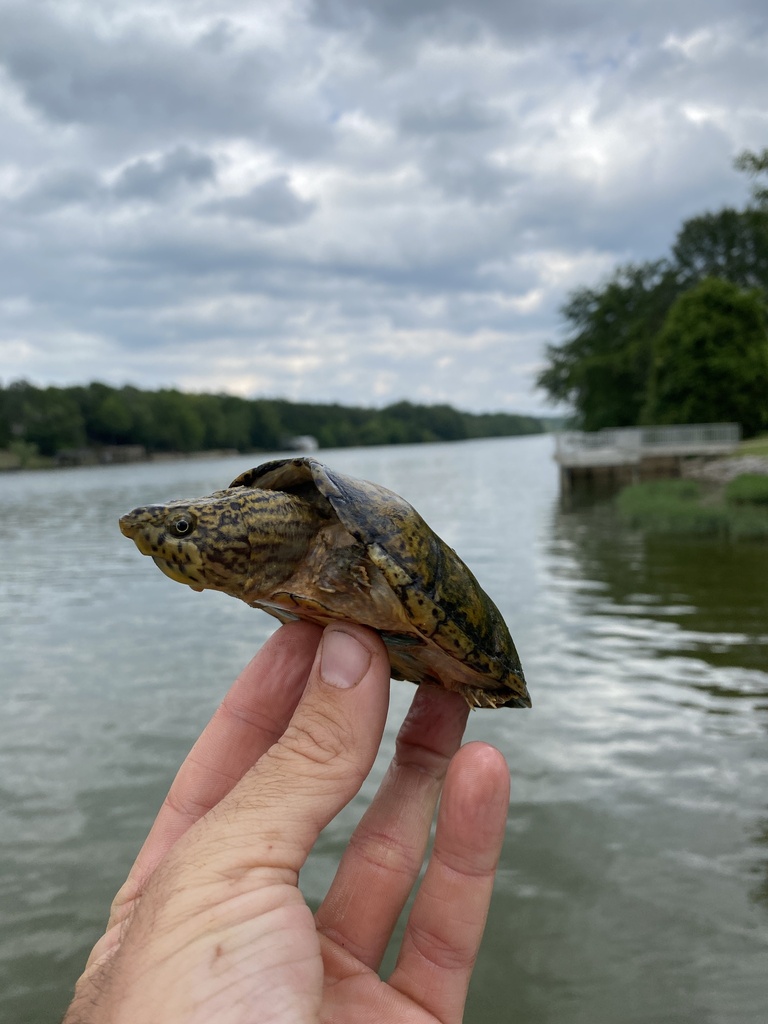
(628,454)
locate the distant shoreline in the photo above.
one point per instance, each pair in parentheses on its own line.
(96,423)
(48,463)
(39,462)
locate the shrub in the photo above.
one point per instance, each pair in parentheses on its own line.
(671,506)
(748,522)
(676,507)
(748,489)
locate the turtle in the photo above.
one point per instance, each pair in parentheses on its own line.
(302,541)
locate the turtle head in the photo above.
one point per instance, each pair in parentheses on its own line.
(241,542)
(202,543)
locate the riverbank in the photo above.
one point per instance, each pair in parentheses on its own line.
(726,499)
(12,461)
(721,471)
(750,457)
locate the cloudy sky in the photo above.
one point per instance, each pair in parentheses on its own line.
(349,200)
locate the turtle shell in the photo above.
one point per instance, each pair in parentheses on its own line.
(454,635)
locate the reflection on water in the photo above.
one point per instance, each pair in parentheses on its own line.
(634,883)
(710,596)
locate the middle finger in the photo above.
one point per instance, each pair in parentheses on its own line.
(386,850)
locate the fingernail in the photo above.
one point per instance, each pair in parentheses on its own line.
(343,661)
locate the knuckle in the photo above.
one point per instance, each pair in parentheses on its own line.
(185,805)
(385,852)
(446,954)
(316,740)
(420,757)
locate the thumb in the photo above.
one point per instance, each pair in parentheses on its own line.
(274,815)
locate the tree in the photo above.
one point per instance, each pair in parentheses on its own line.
(754,164)
(52,420)
(112,422)
(730,244)
(604,366)
(265,427)
(97,414)
(711,358)
(177,425)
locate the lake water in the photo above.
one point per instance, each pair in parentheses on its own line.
(634,880)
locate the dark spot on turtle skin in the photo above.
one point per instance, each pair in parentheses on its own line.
(228,518)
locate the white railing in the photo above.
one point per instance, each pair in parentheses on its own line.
(701,436)
(628,445)
(603,447)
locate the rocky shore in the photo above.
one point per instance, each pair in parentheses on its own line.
(722,471)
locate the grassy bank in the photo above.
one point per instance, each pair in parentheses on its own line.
(20,455)
(754,446)
(738,511)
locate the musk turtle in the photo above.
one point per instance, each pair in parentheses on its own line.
(302,541)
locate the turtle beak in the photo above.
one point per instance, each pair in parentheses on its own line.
(131,527)
(134,524)
(128,525)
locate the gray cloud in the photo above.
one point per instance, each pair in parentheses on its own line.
(454,115)
(156,179)
(348,201)
(136,80)
(272,202)
(147,179)
(522,21)
(60,188)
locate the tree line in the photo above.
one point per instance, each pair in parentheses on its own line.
(53,419)
(683,339)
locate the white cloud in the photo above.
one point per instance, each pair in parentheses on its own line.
(350,201)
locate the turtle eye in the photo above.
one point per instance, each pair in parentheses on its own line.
(181,524)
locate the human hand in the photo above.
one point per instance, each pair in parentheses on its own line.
(210,924)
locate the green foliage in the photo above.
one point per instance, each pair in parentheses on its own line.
(176,422)
(711,359)
(670,506)
(754,446)
(50,418)
(754,164)
(748,523)
(24,453)
(748,489)
(93,415)
(608,367)
(666,490)
(603,367)
(730,244)
(680,507)
(112,421)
